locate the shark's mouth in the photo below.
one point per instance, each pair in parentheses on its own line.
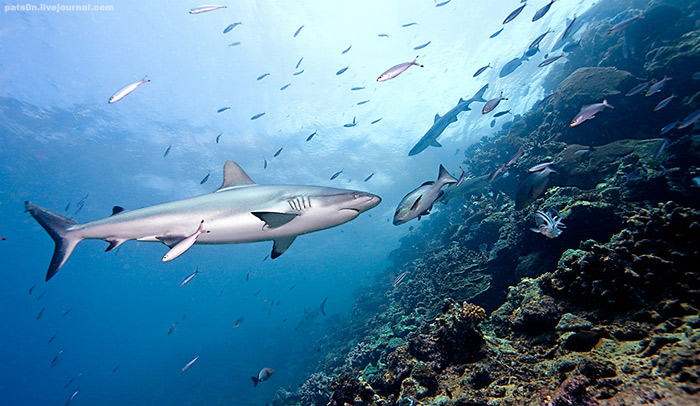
(352,208)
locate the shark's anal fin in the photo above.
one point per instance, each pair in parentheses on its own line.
(434,143)
(234,175)
(280,246)
(274,220)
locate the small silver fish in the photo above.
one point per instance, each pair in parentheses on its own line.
(514,159)
(395,71)
(481,70)
(638,89)
(218,137)
(568,29)
(656,87)
(624,24)
(189,364)
(492,104)
(688,121)
(257,116)
(357,88)
(41,313)
(540,167)
(188,279)
(172,328)
(264,163)
(298,31)
(354,123)
(541,12)
(534,44)
(400,279)
(408,25)
(663,103)
(70,399)
(588,112)
(669,127)
(233,44)
(221,110)
(501,113)
(123,92)
(230,27)
(548,224)
(185,244)
(512,16)
(571,46)
(442,3)
(205,9)
(383,36)
(550,61)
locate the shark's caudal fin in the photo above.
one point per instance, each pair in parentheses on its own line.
(57,226)
(479,96)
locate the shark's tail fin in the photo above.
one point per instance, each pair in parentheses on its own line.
(479,96)
(57,226)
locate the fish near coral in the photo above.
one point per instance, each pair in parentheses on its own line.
(548,224)
(532,187)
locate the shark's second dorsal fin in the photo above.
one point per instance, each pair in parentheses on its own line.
(234,175)
(437,117)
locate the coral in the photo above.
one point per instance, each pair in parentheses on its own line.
(571,392)
(316,389)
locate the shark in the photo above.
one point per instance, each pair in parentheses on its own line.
(240,211)
(441,123)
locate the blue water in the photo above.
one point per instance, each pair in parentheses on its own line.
(61,141)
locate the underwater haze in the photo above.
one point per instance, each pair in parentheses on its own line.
(134,104)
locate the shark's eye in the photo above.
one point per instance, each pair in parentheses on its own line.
(356,195)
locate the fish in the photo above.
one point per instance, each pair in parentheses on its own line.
(400,279)
(285,86)
(660,149)
(67,312)
(408,25)
(688,121)
(395,71)
(541,12)
(247,276)
(492,104)
(32,289)
(534,44)
(167,151)
(492,123)
(669,127)
(638,89)
(240,211)
(185,244)
(221,110)
(622,25)
(656,87)
(532,52)
(189,364)
(335,175)
(299,63)
(369,177)
(493,175)
(571,46)
(420,201)
(263,76)
(588,112)
(550,60)
(310,136)
(513,14)
(376,121)
(279,151)
(495,34)
(548,223)
(189,278)
(569,28)
(123,92)
(53,337)
(292,287)
(40,296)
(540,167)
(298,31)
(501,113)
(421,46)
(512,65)
(55,359)
(362,102)
(532,187)
(429,139)
(257,292)
(257,116)
(341,71)
(354,123)
(383,36)
(69,382)
(70,399)
(298,73)
(204,179)
(481,70)
(514,159)
(468,187)
(233,44)
(205,9)
(66,209)
(442,3)
(263,375)
(663,103)
(115,368)
(232,26)
(357,88)
(218,137)
(264,163)
(238,322)
(41,313)
(172,328)
(345,51)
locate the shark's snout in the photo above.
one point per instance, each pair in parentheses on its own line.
(365,201)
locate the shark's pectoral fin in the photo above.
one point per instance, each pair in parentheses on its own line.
(274,220)
(113,243)
(434,143)
(453,120)
(280,246)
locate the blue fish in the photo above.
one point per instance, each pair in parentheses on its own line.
(362,102)
(257,116)
(263,76)
(354,123)
(340,72)
(357,88)
(279,151)
(218,137)
(230,27)
(264,163)
(376,121)
(408,25)
(383,35)
(346,50)
(233,44)
(495,34)
(422,46)
(298,31)
(369,177)
(298,73)
(285,86)
(442,4)
(335,175)
(203,181)
(164,155)
(221,110)
(299,63)
(310,136)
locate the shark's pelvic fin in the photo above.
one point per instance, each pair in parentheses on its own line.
(281,245)
(274,220)
(234,175)
(113,243)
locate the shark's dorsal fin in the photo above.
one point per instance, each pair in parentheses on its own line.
(461,100)
(234,175)
(437,117)
(117,210)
